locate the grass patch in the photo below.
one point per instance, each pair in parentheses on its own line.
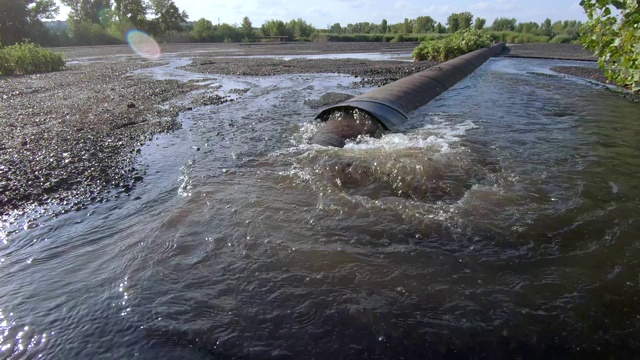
(28,58)
(461,42)
(328,37)
(517,38)
(562,39)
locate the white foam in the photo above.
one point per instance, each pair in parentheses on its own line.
(439,136)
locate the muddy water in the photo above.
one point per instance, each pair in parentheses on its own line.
(503,220)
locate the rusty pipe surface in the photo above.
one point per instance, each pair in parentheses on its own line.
(390,104)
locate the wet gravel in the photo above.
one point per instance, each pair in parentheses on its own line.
(549,51)
(70,136)
(327,99)
(371,73)
(595,76)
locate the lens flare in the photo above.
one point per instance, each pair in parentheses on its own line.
(143,44)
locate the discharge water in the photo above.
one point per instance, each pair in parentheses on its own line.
(503,220)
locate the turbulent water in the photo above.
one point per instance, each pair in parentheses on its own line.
(502,221)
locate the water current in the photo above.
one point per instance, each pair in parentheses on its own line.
(503,220)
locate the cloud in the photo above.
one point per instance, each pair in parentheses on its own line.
(479,6)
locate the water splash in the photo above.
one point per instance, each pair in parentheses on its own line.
(143,44)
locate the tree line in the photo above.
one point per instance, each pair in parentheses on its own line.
(95,22)
(90,22)
(462,21)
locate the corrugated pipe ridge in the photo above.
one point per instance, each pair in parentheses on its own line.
(390,104)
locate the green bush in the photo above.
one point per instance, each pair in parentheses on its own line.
(325,37)
(561,39)
(87,33)
(461,42)
(28,58)
(613,33)
(430,37)
(398,38)
(530,38)
(6,63)
(515,37)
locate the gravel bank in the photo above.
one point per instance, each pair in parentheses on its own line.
(71,135)
(372,73)
(593,74)
(251,49)
(549,51)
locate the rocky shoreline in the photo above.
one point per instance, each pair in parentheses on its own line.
(595,76)
(71,137)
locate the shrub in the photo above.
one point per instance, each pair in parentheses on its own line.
(515,37)
(27,58)
(429,37)
(529,38)
(461,42)
(6,63)
(88,33)
(398,38)
(324,37)
(614,37)
(561,39)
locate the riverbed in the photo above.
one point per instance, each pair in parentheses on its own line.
(501,221)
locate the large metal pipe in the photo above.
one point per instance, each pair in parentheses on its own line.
(387,107)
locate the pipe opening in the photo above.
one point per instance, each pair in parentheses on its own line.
(346,122)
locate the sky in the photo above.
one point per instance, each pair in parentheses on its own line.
(323,13)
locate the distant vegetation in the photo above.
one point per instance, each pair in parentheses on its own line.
(95,22)
(27,58)
(461,42)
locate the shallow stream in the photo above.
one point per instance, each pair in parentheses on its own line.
(503,220)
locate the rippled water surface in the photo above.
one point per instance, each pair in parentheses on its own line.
(502,221)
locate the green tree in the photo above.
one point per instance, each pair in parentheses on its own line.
(557,28)
(168,17)
(466,19)
(459,21)
(504,24)
(424,24)
(247,27)
(479,23)
(545,27)
(384,26)
(299,28)
(86,10)
(22,18)
(203,30)
(228,33)
(615,38)
(132,10)
(361,28)
(441,29)
(41,9)
(336,28)
(274,28)
(528,28)
(406,26)
(453,23)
